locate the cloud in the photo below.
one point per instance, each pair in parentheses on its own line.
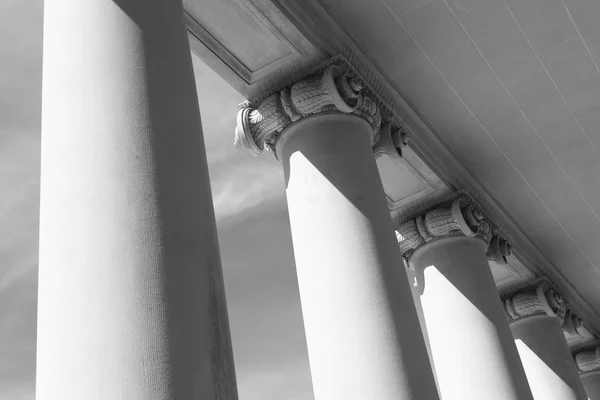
(239,181)
(262,292)
(244,189)
(20,114)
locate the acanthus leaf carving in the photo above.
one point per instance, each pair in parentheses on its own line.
(543,300)
(457,218)
(445,221)
(409,237)
(329,90)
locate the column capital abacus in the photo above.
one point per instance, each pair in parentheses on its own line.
(538,298)
(456,216)
(333,88)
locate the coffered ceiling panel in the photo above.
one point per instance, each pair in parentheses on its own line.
(262,43)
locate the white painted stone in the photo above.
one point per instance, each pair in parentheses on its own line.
(471,343)
(131,298)
(362,331)
(591,382)
(548,363)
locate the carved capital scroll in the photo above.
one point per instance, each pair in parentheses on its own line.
(498,250)
(329,90)
(456,218)
(543,300)
(392,139)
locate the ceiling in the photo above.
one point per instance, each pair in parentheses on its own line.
(513,89)
(510,87)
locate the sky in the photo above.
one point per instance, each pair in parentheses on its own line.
(254,234)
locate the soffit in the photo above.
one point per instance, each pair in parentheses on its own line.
(250,44)
(512,88)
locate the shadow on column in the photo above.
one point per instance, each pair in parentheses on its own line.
(533,361)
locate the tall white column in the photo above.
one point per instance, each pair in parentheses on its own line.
(471,343)
(536,317)
(131,298)
(417,300)
(588,364)
(362,331)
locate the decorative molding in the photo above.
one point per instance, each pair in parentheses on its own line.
(577,333)
(260,122)
(542,300)
(458,217)
(588,360)
(392,139)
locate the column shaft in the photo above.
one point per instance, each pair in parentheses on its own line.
(591,383)
(473,349)
(131,298)
(548,363)
(362,330)
(412,280)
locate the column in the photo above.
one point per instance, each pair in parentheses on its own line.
(131,297)
(417,300)
(536,315)
(588,363)
(362,331)
(471,343)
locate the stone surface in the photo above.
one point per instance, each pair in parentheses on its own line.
(471,343)
(548,363)
(591,382)
(362,330)
(131,297)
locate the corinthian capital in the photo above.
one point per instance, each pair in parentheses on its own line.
(456,218)
(333,89)
(542,300)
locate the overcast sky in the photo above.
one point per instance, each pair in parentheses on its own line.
(266,321)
